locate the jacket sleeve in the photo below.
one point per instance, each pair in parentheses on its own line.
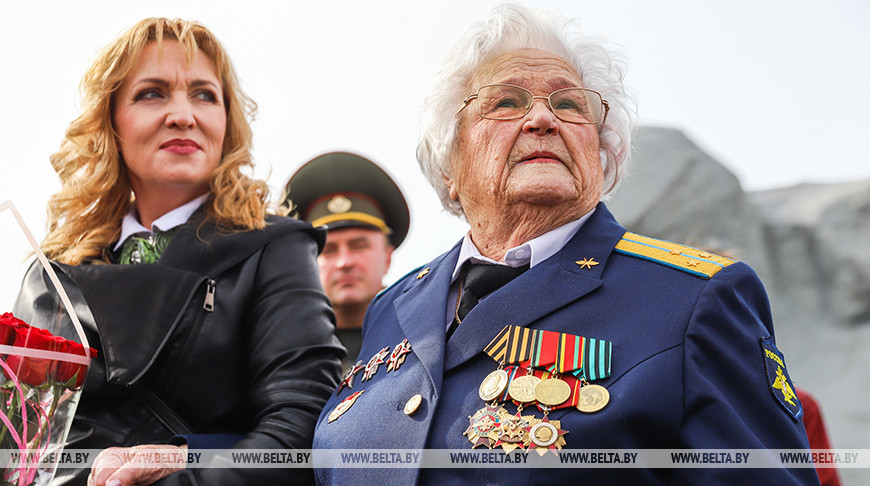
(293,364)
(730,402)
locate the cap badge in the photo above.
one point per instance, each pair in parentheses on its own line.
(339,204)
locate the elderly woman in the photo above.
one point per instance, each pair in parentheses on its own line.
(549,325)
(209,317)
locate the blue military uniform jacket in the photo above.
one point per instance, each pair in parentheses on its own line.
(691,354)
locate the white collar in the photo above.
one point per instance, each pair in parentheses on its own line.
(178,216)
(532,252)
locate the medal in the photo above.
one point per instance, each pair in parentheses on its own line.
(522,389)
(349,373)
(546,435)
(344,406)
(543,434)
(481,424)
(397,357)
(593,398)
(552,392)
(549,369)
(493,385)
(374,362)
(511,432)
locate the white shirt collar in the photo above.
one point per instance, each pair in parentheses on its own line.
(532,252)
(178,216)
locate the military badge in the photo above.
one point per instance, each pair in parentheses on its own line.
(339,204)
(376,360)
(780,383)
(397,357)
(545,435)
(513,431)
(546,369)
(413,404)
(344,406)
(481,424)
(349,373)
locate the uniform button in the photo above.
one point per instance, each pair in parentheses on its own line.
(413,404)
(521,254)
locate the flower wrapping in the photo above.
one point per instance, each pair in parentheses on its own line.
(43,365)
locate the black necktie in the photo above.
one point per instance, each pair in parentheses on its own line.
(478,281)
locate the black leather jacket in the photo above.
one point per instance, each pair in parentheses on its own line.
(231,331)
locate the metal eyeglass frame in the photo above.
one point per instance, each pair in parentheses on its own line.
(467,101)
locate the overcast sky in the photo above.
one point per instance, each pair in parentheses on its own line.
(775,90)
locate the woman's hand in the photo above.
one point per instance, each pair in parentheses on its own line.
(142,464)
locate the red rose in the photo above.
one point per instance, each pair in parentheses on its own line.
(32,371)
(8,323)
(66,370)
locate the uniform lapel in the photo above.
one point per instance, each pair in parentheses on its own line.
(421,314)
(546,287)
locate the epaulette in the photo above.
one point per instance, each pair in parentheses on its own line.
(378,295)
(690,260)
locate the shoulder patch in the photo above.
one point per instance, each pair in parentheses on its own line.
(690,260)
(403,277)
(779,382)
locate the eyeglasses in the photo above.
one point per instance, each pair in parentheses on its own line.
(509,102)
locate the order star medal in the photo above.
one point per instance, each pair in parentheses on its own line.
(546,435)
(512,432)
(375,361)
(397,357)
(349,373)
(481,424)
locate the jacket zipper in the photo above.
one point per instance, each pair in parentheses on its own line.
(209,300)
(208,305)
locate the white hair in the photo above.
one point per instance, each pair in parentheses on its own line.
(511,27)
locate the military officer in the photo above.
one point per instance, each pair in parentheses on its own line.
(367,218)
(549,325)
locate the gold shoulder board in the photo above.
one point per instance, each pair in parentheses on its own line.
(690,260)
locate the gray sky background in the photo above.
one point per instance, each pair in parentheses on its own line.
(775,90)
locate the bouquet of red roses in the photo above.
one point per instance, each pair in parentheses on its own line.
(41,375)
(42,364)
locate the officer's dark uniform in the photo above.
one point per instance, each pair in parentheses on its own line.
(693,366)
(342,190)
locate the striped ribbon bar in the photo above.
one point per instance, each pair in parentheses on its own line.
(545,344)
(585,358)
(596,360)
(513,344)
(570,353)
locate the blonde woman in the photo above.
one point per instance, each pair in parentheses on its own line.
(209,317)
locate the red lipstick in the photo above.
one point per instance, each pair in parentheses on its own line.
(180,146)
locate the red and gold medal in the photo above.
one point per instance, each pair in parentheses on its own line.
(397,357)
(344,406)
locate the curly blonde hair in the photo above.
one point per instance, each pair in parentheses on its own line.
(85,216)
